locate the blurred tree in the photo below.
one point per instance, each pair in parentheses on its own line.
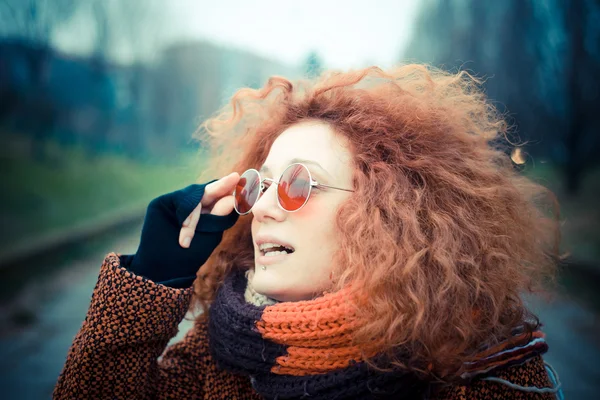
(125,33)
(313,65)
(540,61)
(102,40)
(583,94)
(123,92)
(34,22)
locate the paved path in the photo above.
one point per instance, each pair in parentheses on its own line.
(39,324)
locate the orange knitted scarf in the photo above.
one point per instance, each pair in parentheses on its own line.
(306,347)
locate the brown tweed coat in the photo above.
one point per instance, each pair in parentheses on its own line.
(118,353)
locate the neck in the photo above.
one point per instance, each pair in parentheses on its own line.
(252,296)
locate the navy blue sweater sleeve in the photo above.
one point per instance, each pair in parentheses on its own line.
(159,257)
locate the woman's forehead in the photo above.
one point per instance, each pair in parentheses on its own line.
(313,143)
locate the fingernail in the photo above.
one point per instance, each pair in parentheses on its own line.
(187,241)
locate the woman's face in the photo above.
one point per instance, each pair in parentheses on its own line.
(303,274)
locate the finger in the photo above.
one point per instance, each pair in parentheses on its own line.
(186,234)
(224,206)
(187,221)
(220,188)
(184,202)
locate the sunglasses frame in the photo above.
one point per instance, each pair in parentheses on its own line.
(312,184)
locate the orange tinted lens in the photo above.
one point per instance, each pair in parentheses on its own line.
(294,188)
(246,191)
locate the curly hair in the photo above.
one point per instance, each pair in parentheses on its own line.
(443,233)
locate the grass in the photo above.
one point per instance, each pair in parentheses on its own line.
(40,198)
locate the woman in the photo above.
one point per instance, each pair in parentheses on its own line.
(383,245)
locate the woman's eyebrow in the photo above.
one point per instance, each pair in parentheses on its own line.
(266,169)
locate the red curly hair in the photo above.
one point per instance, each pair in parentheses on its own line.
(442,233)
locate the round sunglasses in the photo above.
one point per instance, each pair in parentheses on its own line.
(293,188)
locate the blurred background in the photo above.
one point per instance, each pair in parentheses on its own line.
(99,99)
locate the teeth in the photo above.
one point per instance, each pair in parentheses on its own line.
(266,246)
(274,253)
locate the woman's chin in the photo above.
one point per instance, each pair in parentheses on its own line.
(265,288)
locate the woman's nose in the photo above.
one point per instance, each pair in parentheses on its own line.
(267,206)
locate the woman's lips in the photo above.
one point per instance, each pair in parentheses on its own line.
(268,260)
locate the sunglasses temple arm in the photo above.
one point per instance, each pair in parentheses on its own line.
(333,187)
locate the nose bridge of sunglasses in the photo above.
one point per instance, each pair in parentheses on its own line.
(266,184)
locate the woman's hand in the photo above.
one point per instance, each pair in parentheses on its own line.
(217,200)
(167,254)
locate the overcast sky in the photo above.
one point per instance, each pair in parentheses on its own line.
(345,33)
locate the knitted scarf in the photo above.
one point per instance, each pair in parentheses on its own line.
(303,349)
